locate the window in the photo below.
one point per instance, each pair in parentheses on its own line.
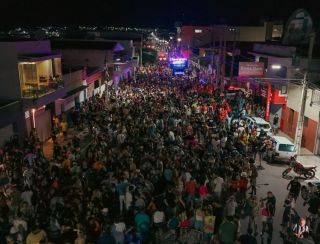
(305,121)
(264,126)
(286,148)
(283,90)
(197,31)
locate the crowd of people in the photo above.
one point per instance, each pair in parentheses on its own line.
(167,159)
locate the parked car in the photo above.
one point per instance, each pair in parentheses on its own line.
(305,189)
(283,150)
(261,124)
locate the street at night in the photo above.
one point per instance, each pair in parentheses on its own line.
(137,122)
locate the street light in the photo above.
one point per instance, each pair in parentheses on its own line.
(276,66)
(179,39)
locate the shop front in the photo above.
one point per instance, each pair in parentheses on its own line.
(39,119)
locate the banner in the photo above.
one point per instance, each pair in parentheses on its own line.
(251,69)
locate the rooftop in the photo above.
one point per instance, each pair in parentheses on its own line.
(85,44)
(38,56)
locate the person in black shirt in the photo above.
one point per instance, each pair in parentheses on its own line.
(294,188)
(247,238)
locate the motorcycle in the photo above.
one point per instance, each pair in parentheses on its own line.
(308,172)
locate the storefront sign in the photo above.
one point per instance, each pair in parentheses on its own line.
(251,69)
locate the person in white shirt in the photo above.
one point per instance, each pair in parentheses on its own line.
(301,230)
(218,183)
(231,206)
(158,218)
(171,136)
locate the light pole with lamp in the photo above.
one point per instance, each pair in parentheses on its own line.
(299,128)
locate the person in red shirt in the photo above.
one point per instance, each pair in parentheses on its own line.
(222,115)
(243,185)
(191,189)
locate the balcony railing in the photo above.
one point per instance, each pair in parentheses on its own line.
(35,92)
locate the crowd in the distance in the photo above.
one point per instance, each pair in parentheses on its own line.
(167,156)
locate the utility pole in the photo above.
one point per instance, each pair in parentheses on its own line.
(299,129)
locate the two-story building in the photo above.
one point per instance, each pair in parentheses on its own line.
(103,54)
(31,74)
(289,62)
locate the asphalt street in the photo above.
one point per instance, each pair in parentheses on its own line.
(272,174)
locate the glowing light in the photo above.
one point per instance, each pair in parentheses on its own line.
(179,39)
(33,118)
(197,31)
(276,66)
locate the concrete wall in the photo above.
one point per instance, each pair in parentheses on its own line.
(274,49)
(252,33)
(294,102)
(73,80)
(190,37)
(86,57)
(9,74)
(27,47)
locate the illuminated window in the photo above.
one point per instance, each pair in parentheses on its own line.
(198,31)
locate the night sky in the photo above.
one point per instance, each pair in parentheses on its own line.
(148,13)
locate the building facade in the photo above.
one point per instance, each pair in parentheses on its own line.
(284,62)
(31,74)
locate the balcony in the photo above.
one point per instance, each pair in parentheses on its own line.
(34,96)
(35,91)
(40,78)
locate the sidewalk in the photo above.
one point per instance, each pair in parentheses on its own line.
(306,157)
(84,137)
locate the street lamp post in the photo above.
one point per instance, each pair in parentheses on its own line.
(299,129)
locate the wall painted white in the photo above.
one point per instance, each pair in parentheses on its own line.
(294,102)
